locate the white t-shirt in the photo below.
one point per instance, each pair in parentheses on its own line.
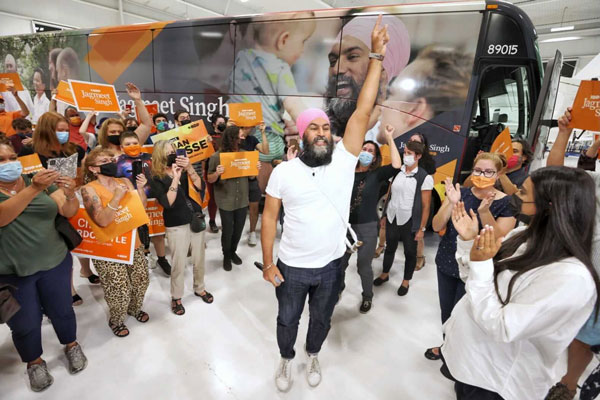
(13,105)
(40,106)
(313,231)
(403,195)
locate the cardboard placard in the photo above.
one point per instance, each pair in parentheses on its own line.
(9,79)
(195,195)
(90,96)
(120,249)
(130,216)
(246,114)
(31,164)
(64,94)
(586,108)
(148,148)
(244,163)
(191,137)
(152,109)
(386,156)
(155,214)
(503,144)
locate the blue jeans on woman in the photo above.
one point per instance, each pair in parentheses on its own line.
(322,285)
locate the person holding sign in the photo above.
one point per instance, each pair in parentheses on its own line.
(35,259)
(7,117)
(103,198)
(315,190)
(179,189)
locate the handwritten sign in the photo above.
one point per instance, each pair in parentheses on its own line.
(120,249)
(155,214)
(192,137)
(239,164)
(586,108)
(31,164)
(246,114)
(90,96)
(9,79)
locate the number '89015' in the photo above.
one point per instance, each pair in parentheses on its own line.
(504,49)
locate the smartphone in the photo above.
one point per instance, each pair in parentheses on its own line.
(136,169)
(259,265)
(294,144)
(181,152)
(52,165)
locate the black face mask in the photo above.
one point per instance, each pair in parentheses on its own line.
(131,128)
(515,205)
(114,139)
(171,158)
(221,127)
(185,121)
(109,169)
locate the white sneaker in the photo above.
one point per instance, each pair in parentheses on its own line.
(313,370)
(252,239)
(283,377)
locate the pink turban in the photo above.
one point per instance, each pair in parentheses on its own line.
(306,117)
(398,49)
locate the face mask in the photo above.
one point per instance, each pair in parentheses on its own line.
(512,162)
(409,160)
(185,121)
(133,151)
(132,128)
(63,136)
(2,107)
(515,204)
(10,171)
(481,182)
(365,158)
(108,169)
(221,127)
(161,126)
(75,121)
(114,139)
(171,158)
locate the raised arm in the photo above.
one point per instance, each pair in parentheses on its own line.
(24,109)
(143,130)
(394,152)
(440,220)
(102,216)
(85,124)
(356,129)
(557,153)
(263,147)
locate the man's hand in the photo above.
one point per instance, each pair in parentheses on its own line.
(272,272)
(379,37)
(389,133)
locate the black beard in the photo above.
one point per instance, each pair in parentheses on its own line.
(315,159)
(340,109)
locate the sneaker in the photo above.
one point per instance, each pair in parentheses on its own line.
(227,264)
(236,259)
(283,378)
(313,372)
(163,263)
(213,227)
(39,377)
(77,360)
(252,239)
(365,306)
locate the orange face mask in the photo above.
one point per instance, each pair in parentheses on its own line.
(482,182)
(133,150)
(75,121)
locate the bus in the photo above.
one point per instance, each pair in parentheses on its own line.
(457,72)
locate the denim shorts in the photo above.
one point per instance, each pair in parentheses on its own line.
(590,332)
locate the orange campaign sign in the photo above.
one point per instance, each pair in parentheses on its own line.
(246,114)
(63,93)
(386,156)
(152,109)
(195,195)
(99,97)
(120,249)
(148,148)
(31,164)
(130,215)
(244,163)
(192,137)
(503,144)
(586,108)
(155,214)
(9,79)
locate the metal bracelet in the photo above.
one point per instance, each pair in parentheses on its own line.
(112,208)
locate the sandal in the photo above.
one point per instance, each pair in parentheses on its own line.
(421,261)
(77,300)
(379,250)
(119,330)
(177,308)
(430,355)
(142,316)
(206,297)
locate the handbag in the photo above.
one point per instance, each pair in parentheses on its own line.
(69,234)
(9,306)
(198,223)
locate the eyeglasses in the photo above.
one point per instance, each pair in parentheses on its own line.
(488,173)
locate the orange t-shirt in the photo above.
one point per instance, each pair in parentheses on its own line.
(6,119)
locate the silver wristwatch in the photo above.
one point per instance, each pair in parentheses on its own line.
(376,56)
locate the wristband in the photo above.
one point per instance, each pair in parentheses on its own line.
(112,208)
(268,266)
(376,56)
(172,189)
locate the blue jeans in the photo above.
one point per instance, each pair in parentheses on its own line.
(49,291)
(322,285)
(450,291)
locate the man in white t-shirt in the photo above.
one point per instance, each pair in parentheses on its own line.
(10,65)
(315,190)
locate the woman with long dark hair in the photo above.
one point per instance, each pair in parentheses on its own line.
(526,296)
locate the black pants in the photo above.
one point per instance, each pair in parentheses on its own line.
(468,392)
(393,234)
(233,225)
(450,291)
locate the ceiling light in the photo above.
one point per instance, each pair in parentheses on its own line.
(562,28)
(244,1)
(561,39)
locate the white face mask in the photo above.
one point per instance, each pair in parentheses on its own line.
(409,160)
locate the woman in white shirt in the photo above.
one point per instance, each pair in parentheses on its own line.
(527,296)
